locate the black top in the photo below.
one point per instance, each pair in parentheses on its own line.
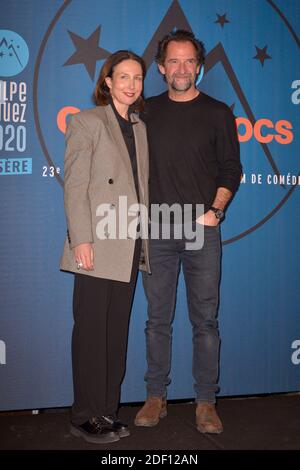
(193,148)
(128,136)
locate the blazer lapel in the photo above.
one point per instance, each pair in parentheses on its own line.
(119,140)
(141,150)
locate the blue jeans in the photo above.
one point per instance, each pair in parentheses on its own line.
(201,270)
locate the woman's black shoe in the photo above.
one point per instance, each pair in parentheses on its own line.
(117,425)
(96,431)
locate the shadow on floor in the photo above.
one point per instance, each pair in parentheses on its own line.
(254,423)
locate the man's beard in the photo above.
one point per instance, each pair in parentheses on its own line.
(184,86)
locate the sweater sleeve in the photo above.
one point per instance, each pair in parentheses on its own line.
(228,152)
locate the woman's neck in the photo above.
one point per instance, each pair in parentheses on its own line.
(122,109)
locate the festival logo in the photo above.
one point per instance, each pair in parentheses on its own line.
(14,53)
(14,56)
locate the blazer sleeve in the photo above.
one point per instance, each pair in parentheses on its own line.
(77,169)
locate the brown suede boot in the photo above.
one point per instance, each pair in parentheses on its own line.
(153,409)
(207,419)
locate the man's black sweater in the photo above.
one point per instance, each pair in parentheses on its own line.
(194,149)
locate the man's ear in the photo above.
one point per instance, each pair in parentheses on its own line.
(162,69)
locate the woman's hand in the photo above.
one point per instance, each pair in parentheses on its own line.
(84,256)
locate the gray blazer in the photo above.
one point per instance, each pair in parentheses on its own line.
(97,171)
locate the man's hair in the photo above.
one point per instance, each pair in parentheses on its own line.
(102,91)
(180,35)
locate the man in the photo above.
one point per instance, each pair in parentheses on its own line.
(194,159)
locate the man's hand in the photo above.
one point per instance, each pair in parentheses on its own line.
(208,218)
(84,256)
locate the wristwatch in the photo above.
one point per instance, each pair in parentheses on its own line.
(219,213)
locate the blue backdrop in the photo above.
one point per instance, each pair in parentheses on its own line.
(50,56)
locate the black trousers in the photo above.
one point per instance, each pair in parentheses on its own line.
(101,309)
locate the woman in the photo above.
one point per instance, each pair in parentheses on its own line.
(106,163)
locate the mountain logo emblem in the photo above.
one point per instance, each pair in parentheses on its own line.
(14,53)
